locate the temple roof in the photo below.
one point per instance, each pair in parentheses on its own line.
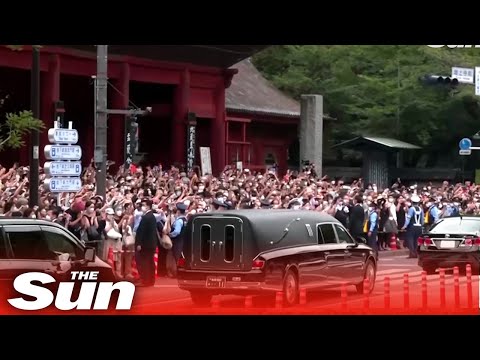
(220,56)
(250,92)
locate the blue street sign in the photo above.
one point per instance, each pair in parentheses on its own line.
(465,144)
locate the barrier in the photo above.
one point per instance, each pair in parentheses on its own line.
(469,286)
(424,290)
(406,292)
(366,293)
(443,296)
(344,295)
(303,296)
(248,302)
(456,285)
(386,295)
(393,242)
(279,300)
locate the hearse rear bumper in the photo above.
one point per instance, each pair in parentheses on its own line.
(236,283)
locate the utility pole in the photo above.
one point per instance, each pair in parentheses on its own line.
(100,154)
(34,135)
(101,116)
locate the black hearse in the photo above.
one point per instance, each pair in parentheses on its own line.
(259,251)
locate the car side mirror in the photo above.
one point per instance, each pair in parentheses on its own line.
(89,255)
(361,240)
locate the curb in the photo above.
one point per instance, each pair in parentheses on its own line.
(393,253)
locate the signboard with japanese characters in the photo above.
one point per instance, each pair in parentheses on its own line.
(191,147)
(463,75)
(64,168)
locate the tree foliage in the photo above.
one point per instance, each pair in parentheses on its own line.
(16,126)
(375,90)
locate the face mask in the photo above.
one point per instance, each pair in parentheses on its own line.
(201,188)
(408,204)
(429,204)
(34,216)
(90,210)
(390,200)
(178,193)
(440,206)
(370,209)
(296,207)
(119,212)
(48,218)
(144,208)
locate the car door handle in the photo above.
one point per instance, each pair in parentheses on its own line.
(326,253)
(220,244)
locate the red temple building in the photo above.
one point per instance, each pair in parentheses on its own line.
(240,115)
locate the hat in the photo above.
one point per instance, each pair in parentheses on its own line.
(415,199)
(266,204)
(109,211)
(182,207)
(220,203)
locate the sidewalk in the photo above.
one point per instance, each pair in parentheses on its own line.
(393,253)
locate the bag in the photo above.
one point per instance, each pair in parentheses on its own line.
(92,233)
(391,227)
(113,234)
(166,242)
(128,239)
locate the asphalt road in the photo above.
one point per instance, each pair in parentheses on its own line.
(166,298)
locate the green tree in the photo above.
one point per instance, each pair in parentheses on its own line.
(16,126)
(375,90)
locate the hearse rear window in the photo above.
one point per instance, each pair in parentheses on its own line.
(205,241)
(229,242)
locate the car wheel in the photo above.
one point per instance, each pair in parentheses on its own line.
(370,274)
(290,288)
(430,270)
(200,298)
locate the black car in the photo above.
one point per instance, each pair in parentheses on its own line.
(29,245)
(258,252)
(453,241)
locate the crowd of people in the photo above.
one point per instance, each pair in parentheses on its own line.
(170,196)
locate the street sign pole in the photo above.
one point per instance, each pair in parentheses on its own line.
(100,155)
(34,135)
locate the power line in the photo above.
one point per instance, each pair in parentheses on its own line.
(222,49)
(118,91)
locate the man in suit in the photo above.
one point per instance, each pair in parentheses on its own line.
(357,218)
(146,240)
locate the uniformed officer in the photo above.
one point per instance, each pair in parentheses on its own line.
(413,224)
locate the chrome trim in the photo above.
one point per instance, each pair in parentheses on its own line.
(210,242)
(229,285)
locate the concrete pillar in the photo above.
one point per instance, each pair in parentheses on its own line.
(311,131)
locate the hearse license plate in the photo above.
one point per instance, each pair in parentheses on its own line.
(447,244)
(216,281)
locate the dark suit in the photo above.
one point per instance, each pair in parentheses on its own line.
(147,238)
(357,221)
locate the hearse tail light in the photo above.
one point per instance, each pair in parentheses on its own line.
(424,241)
(258,264)
(469,241)
(476,241)
(181,262)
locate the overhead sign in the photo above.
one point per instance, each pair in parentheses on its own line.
(55,184)
(63,168)
(191,134)
(464,75)
(205,161)
(465,144)
(63,136)
(477,81)
(63,152)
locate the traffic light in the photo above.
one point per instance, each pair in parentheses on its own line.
(439,80)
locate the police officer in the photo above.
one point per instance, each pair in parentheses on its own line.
(372,226)
(413,224)
(432,214)
(178,231)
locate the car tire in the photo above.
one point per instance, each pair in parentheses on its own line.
(371,274)
(430,270)
(201,299)
(290,289)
